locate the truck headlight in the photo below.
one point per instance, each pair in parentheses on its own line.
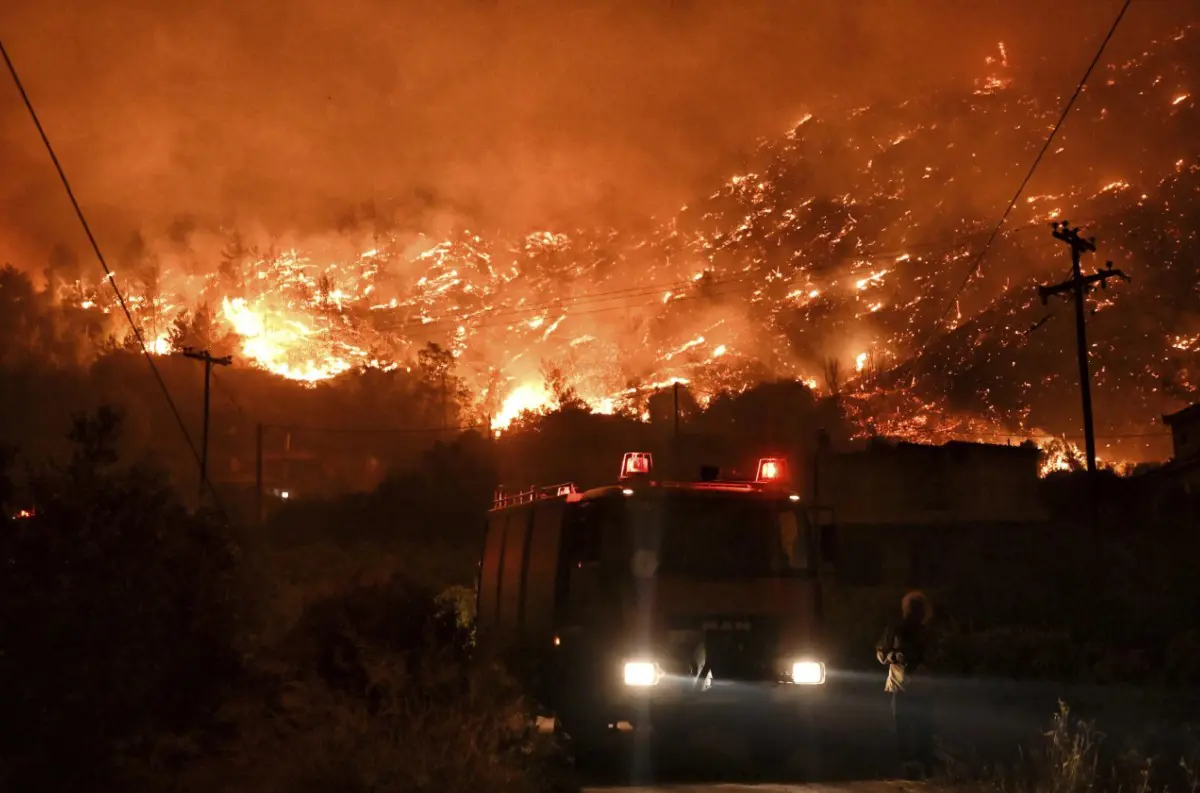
(808,673)
(642,673)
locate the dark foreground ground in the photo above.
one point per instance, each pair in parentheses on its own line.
(882,786)
(977,720)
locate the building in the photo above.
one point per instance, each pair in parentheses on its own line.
(901,508)
(1172,491)
(1185,433)
(917,485)
(287,470)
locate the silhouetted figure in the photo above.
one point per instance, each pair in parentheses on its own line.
(904,648)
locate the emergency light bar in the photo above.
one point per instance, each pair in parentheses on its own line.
(635,464)
(770,469)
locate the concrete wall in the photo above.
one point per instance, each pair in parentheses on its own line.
(911,484)
(1185,435)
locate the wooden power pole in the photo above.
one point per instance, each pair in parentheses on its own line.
(675,394)
(209,360)
(258,475)
(1079,285)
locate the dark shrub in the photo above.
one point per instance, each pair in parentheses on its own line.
(377,689)
(116,617)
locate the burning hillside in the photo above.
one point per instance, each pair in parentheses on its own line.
(830,258)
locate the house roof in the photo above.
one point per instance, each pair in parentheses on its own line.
(1170,469)
(1188,414)
(953,449)
(1025,448)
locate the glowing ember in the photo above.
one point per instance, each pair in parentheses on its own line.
(871,280)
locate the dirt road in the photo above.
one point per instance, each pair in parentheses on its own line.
(988,719)
(885,786)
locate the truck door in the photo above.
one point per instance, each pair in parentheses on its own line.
(487,598)
(593,539)
(537,617)
(512,568)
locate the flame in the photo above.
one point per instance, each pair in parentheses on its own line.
(273,339)
(1186,343)
(871,280)
(766,277)
(160,345)
(531,397)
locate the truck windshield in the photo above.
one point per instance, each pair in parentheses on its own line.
(719,535)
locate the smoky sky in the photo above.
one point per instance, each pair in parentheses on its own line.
(522,114)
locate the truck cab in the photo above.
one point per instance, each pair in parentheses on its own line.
(649,604)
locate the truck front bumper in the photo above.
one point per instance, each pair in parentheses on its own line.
(675,705)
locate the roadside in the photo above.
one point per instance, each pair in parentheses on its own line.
(881,786)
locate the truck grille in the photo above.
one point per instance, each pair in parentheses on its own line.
(733,648)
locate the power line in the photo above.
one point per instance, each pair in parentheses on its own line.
(590,297)
(1044,435)
(938,246)
(347,430)
(660,389)
(233,401)
(374,430)
(744,287)
(567,303)
(12,70)
(573,300)
(978,260)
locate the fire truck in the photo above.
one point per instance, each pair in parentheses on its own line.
(651,605)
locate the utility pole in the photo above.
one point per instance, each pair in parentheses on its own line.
(209,360)
(258,473)
(675,390)
(1079,285)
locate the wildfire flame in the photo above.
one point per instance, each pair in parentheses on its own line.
(273,340)
(766,277)
(531,397)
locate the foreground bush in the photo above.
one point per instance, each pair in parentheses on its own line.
(1073,756)
(377,690)
(117,617)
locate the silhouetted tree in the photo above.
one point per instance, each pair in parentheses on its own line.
(564,394)
(62,266)
(115,612)
(445,394)
(833,376)
(234,257)
(201,329)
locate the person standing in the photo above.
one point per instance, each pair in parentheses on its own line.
(904,649)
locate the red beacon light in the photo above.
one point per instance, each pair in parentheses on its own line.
(770,469)
(636,464)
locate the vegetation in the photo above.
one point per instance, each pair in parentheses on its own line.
(1049,602)
(1073,756)
(147,645)
(118,618)
(134,657)
(375,689)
